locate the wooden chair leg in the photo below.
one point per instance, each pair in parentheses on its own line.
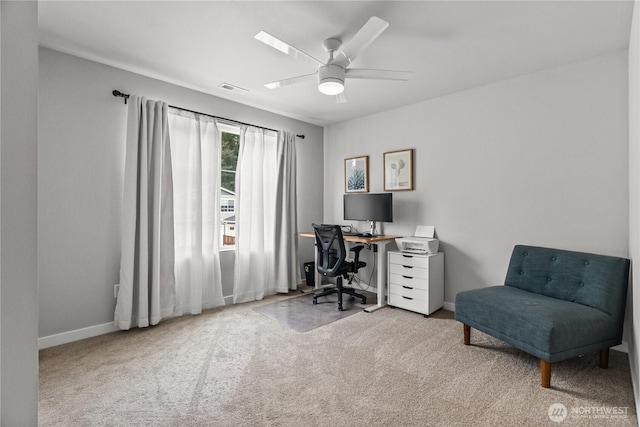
(467,334)
(545,373)
(604,358)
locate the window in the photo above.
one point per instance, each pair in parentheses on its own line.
(227,205)
(230,138)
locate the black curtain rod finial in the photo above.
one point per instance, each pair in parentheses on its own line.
(116,92)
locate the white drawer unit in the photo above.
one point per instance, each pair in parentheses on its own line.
(416,281)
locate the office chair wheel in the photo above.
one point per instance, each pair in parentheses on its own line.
(315,301)
(364,300)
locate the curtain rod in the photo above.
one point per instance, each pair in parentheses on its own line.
(117,93)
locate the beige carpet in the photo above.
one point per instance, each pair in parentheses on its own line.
(236,367)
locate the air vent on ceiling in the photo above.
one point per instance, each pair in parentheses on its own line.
(232,88)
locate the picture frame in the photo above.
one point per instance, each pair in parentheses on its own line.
(398,170)
(356,174)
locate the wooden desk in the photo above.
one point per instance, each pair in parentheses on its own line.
(380,243)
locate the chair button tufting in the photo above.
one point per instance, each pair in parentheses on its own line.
(586,263)
(553,258)
(526,253)
(548,279)
(581,284)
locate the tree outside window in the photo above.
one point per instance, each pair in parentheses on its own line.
(229,161)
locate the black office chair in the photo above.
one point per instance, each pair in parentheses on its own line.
(332,261)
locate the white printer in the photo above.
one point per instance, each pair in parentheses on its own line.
(423,242)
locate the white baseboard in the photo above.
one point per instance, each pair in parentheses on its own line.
(449,306)
(78,334)
(624,347)
(89,332)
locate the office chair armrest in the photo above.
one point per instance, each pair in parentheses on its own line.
(356,257)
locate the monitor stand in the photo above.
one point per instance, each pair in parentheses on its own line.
(372,229)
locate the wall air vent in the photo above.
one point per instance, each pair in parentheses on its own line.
(232,88)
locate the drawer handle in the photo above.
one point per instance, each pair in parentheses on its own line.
(407,287)
(407,256)
(406,297)
(407,266)
(407,277)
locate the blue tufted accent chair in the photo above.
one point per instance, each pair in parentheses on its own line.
(554,304)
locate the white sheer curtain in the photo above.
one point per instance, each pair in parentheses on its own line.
(147,281)
(266,245)
(195,150)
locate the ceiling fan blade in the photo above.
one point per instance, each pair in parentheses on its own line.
(340,98)
(363,73)
(283,46)
(290,81)
(363,38)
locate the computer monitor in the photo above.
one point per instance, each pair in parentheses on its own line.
(370,207)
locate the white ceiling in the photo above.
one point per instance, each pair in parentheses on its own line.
(448,45)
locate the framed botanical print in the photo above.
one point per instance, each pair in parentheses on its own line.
(356,175)
(398,170)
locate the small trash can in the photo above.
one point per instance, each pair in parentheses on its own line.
(310,273)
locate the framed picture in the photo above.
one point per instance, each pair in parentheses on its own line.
(398,170)
(356,175)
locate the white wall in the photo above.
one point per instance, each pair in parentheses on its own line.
(633,305)
(18,265)
(539,159)
(80,167)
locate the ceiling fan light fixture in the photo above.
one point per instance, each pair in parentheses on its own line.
(331,79)
(331,86)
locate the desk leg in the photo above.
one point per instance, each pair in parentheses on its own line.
(381,278)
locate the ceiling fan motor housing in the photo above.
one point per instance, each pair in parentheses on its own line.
(331,79)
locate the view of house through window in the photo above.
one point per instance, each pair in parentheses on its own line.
(229,159)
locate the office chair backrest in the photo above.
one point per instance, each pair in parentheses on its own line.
(331,249)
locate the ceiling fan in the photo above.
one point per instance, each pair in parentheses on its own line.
(332,74)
